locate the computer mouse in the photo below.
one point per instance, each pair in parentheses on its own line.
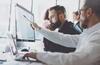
(25,50)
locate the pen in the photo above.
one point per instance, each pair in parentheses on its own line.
(27,18)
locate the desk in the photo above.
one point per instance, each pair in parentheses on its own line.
(10,60)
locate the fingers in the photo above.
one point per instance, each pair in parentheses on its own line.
(31,55)
(32,26)
(48,27)
(35,26)
(26,55)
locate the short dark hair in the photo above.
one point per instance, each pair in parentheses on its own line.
(46,16)
(94,5)
(59,9)
(76,13)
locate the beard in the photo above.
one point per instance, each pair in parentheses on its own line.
(84,23)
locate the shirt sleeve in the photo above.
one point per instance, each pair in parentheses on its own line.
(89,54)
(60,38)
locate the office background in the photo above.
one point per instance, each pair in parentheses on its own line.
(37,7)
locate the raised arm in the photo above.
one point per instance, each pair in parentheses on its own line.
(87,54)
(59,38)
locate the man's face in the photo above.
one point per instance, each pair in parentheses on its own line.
(75,17)
(83,18)
(54,20)
(53,16)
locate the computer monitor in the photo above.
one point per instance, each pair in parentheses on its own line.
(24,31)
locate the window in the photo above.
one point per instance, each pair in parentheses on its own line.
(36,6)
(4,17)
(70,5)
(39,9)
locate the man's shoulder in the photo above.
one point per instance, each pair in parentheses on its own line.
(68,22)
(94,35)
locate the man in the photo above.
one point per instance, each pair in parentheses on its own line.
(76,21)
(76,17)
(57,18)
(88,43)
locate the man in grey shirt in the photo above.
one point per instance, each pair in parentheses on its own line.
(87,44)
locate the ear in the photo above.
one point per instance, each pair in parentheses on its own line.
(89,12)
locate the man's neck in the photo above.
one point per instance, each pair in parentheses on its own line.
(62,22)
(75,21)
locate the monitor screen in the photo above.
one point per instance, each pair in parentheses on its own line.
(24,31)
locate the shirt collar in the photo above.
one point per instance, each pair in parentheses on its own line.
(75,22)
(92,29)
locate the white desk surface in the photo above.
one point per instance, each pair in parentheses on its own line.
(21,63)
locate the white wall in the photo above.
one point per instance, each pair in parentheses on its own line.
(39,8)
(4,16)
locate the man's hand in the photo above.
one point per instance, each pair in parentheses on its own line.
(35,26)
(50,27)
(31,55)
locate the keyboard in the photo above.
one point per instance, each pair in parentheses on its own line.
(19,56)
